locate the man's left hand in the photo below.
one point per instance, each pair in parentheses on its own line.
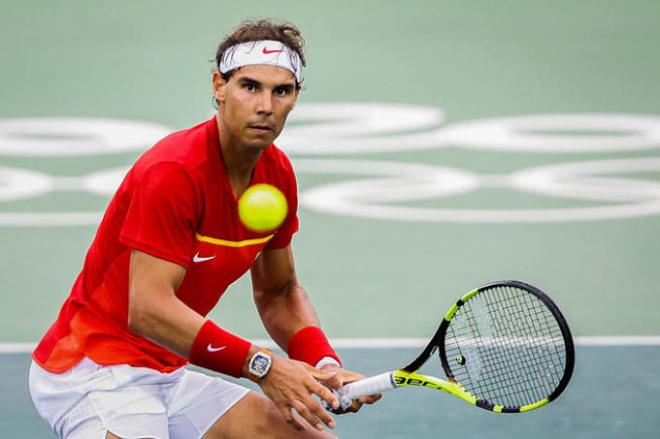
(342,377)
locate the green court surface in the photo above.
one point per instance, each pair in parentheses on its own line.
(438,145)
(602,402)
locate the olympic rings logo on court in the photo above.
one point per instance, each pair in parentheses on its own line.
(591,189)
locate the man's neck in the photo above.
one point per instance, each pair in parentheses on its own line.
(239,160)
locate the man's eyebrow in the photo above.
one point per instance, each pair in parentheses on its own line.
(248,80)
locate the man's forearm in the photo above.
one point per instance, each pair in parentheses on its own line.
(168,322)
(286,312)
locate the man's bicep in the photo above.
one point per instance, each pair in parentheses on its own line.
(154,311)
(274,270)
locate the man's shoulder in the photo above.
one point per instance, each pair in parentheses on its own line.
(187,148)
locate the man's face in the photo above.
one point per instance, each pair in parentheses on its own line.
(255,102)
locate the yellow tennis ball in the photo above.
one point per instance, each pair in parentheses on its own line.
(262,208)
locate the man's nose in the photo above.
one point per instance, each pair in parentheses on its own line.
(265,103)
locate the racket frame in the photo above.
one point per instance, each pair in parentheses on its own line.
(408,376)
(438,343)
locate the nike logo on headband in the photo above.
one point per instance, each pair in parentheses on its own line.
(268,52)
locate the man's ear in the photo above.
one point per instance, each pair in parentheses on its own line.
(297,94)
(219,87)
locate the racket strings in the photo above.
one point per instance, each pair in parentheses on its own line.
(522,355)
(506,347)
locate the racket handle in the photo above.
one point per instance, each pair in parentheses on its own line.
(368,386)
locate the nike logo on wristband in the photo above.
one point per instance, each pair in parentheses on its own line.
(198,258)
(210,348)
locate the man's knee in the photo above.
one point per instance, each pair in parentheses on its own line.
(248,418)
(256,416)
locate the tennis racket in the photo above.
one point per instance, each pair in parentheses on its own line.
(504,347)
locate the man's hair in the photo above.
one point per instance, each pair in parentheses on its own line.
(264,29)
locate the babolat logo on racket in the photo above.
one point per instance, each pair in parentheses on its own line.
(403,381)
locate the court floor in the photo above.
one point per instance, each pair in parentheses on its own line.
(614,394)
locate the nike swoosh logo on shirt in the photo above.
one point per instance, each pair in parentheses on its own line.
(198,258)
(268,52)
(210,348)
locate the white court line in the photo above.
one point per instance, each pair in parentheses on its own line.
(16,348)
(398,343)
(629,340)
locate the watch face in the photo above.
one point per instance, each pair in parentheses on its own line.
(260,364)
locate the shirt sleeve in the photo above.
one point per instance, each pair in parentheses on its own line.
(291,223)
(161,217)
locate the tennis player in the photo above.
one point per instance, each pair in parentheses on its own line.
(169,244)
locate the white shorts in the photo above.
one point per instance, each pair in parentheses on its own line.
(131,402)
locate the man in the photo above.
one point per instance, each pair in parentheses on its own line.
(169,245)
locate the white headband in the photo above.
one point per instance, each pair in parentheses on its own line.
(265,52)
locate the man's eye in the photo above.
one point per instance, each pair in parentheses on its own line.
(281,91)
(250,87)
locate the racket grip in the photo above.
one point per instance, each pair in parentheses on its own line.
(368,386)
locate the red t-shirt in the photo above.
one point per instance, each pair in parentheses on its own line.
(176,203)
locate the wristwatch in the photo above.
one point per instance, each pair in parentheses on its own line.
(260,364)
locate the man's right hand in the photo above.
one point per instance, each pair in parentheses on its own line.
(290,383)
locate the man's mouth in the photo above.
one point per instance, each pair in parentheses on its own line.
(261,128)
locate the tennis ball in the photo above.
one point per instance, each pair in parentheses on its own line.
(262,208)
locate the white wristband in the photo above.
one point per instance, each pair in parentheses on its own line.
(325,361)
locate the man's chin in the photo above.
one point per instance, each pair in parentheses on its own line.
(258,144)
(260,141)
